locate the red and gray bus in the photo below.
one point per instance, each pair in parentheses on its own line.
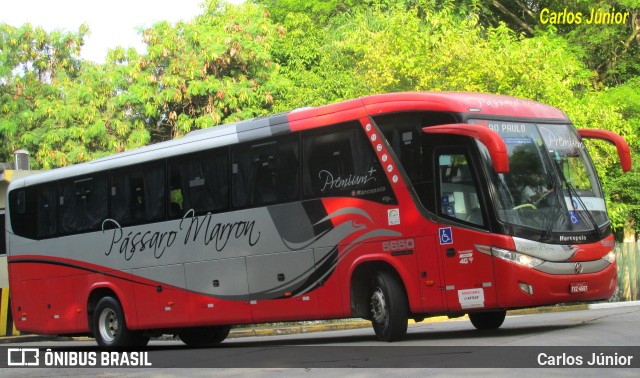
(388,208)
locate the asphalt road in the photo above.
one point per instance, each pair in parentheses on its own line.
(557,344)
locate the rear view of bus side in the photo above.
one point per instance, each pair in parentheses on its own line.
(387,207)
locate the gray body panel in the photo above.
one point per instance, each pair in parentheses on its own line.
(255,254)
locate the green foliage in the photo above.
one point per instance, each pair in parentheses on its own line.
(322,12)
(390,51)
(611,50)
(623,189)
(42,105)
(624,206)
(214,70)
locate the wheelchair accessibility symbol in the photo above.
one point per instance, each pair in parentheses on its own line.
(573,215)
(445,236)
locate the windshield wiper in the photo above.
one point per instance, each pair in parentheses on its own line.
(574,193)
(557,189)
(551,220)
(573,190)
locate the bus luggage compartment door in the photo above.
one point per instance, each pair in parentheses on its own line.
(163,304)
(218,290)
(277,286)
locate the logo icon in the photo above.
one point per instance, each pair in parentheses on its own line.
(446,236)
(23,357)
(393,217)
(577,268)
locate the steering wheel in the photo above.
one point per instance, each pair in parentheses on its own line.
(524,206)
(542,198)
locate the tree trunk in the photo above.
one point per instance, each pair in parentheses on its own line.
(629,231)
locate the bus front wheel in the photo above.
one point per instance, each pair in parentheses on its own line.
(110,328)
(200,336)
(389,307)
(487,320)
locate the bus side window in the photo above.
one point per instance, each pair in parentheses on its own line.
(83,203)
(22,212)
(33,212)
(404,133)
(266,173)
(137,193)
(327,157)
(199,182)
(340,161)
(458,192)
(46,211)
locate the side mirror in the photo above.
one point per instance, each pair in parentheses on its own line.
(621,145)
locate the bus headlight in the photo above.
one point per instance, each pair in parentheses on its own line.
(515,257)
(610,257)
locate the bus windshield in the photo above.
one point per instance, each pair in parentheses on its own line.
(552,185)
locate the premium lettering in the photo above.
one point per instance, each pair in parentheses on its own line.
(331,182)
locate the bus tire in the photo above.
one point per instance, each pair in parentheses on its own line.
(389,307)
(200,336)
(110,328)
(487,320)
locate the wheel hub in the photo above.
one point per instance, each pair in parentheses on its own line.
(108,325)
(378,306)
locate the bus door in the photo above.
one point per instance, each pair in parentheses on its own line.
(468,272)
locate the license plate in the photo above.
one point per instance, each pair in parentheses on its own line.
(578,287)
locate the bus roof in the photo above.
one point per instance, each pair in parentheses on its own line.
(482,105)
(466,102)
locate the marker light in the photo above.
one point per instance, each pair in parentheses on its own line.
(515,257)
(526,288)
(610,257)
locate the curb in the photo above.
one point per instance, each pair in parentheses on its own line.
(276,330)
(32,339)
(613,304)
(289,330)
(548,309)
(295,329)
(339,326)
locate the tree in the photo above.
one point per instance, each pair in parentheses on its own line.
(60,108)
(624,189)
(216,69)
(609,49)
(37,73)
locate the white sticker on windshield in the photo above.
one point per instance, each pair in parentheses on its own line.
(591,203)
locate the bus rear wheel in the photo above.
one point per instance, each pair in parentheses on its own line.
(389,307)
(110,328)
(487,320)
(200,336)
